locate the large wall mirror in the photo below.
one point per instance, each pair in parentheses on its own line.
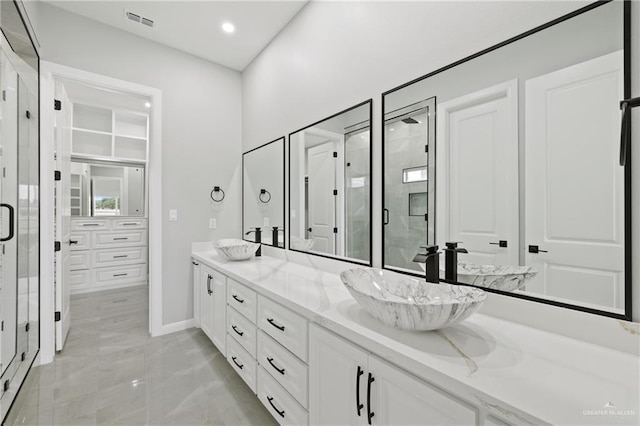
(514,153)
(330,186)
(107,189)
(263,194)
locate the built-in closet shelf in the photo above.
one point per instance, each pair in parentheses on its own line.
(98,132)
(107,159)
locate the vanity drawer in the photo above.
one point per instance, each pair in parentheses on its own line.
(279,403)
(79,259)
(134,223)
(118,275)
(242,299)
(287,369)
(79,279)
(120,239)
(242,330)
(241,361)
(83,241)
(288,328)
(119,256)
(89,224)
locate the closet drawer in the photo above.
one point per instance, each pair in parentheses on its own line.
(242,299)
(279,403)
(79,279)
(287,369)
(80,259)
(135,223)
(242,330)
(241,361)
(119,256)
(83,241)
(89,224)
(120,239)
(120,275)
(287,327)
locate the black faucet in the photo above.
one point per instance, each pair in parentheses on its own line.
(258,232)
(451,260)
(275,233)
(431,260)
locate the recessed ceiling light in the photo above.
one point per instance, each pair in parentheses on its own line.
(228,27)
(147,104)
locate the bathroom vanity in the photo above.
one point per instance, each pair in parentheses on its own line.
(312,355)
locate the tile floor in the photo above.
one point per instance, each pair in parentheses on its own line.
(112,372)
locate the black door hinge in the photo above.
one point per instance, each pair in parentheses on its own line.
(56,316)
(335,192)
(23,356)
(57,175)
(4,95)
(57,105)
(426,217)
(28,114)
(335,154)
(27,327)
(2,326)
(56,246)
(426,148)
(335,230)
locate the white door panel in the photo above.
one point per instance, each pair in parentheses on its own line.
(322,182)
(574,185)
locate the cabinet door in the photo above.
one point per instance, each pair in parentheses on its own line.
(337,380)
(397,398)
(219,315)
(206,300)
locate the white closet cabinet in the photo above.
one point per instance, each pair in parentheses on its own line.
(213,306)
(349,386)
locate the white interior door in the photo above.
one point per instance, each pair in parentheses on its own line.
(574,185)
(477,174)
(62,142)
(322,181)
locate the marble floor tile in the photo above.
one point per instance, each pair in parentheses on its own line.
(112,373)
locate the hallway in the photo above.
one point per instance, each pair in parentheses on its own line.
(112,372)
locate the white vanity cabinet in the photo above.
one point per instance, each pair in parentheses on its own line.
(349,386)
(213,306)
(241,331)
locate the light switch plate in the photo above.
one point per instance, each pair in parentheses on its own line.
(213,223)
(173,215)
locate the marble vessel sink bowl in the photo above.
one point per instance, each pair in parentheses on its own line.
(301,243)
(410,303)
(234,249)
(505,278)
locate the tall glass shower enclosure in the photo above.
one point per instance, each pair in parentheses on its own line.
(19,204)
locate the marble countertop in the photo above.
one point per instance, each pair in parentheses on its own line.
(524,374)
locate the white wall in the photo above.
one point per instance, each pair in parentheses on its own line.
(333,55)
(200,131)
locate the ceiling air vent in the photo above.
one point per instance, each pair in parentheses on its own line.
(138,18)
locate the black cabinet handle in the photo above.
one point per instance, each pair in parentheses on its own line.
(501,243)
(270,399)
(386,216)
(240,366)
(11,221)
(72,242)
(90,224)
(120,238)
(238,300)
(281,371)
(119,275)
(120,256)
(209,277)
(236,330)
(536,249)
(130,223)
(359,406)
(279,327)
(370,413)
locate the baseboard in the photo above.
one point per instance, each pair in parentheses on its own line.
(177,326)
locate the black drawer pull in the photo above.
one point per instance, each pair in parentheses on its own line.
(370,413)
(279,327)
(72,242)
(238,300)
(120,256)
(240,366)
(270,399)
(120,238)
(281,371)
(359,406)
(119,275)
(130,223)
(236,330)
(90,224)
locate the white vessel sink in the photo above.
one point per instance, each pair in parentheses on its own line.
(409,303)
(234,249)
(505,278)
(303,244)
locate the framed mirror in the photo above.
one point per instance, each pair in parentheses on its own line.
(330,186)
(106,189)
(263,194)
(514,153)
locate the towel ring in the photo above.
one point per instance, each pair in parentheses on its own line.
(262,196)
(217,189)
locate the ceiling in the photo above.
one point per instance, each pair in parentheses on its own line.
(195,26)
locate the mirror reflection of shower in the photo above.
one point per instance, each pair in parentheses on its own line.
(409,183)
